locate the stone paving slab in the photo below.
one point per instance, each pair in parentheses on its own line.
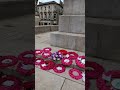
(47,81)
(70,85)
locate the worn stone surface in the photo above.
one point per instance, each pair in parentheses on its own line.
(69,85)
(68,40)
(74,7)
(72,24)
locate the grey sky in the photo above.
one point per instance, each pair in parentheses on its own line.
(49,0)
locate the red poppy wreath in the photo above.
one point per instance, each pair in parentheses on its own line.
(96,72)
(25,69)
(27,57)
(10,83)
(47,65)
(59,68)
(38,61)
(29,85)
(80,61)
(47,49)
(109,81)
(75,73)
(7,61)
(38,52)
(71,55)
(66,61)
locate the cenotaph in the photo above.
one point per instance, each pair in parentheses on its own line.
(71,34)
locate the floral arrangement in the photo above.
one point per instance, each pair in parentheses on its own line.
(59,61)
(109,80)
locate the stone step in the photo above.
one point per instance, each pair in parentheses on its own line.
(43,29)
(72,23)
(68,41)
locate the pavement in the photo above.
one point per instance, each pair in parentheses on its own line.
(48,80)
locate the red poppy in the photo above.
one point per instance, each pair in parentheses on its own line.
(10,83)
(75,73)
(63,52)
(27,56)
(93,74)
(47,65)
(26,69)
(38,52)
(59,68)
(46,54)
(101,83)
(66,61)
(47,49)
(38,61)
(29,85)
(72,55)
(7,61)
(80,61)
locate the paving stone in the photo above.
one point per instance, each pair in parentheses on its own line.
(70,85)
(47,81)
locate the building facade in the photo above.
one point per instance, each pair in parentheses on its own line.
(49,13)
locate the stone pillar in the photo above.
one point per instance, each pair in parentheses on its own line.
(71,34)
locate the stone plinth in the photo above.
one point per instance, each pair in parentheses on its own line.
(68,40)
(71,27)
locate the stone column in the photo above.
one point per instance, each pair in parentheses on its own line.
(71,34)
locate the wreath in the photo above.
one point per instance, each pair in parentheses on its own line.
(7,61)
(96,72)
(10,83)
(109,81)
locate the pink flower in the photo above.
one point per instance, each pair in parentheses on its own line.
(66,61)
(7,61)
(59,68)
(10,83)
(75,73)
(47,65)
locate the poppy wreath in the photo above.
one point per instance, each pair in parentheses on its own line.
(78,72)
(7,61)
(101,82)
(67,61)
(47,49)
(27,56)
(25,69)
(38,61)
(47,65)
(63,52)
(46,54)
(80,61)
(38,52)
(59,68)
(10,83)
(93,74)
(71,55)
(29,85)
(87,84)
(57,56)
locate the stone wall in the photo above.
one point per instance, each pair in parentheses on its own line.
(43,29)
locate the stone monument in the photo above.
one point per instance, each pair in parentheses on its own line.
(71,34)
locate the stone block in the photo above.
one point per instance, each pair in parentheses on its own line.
(74,7)
(72,24)
(68,40)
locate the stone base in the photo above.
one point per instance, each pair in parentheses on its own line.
(72,24)
(68,41)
